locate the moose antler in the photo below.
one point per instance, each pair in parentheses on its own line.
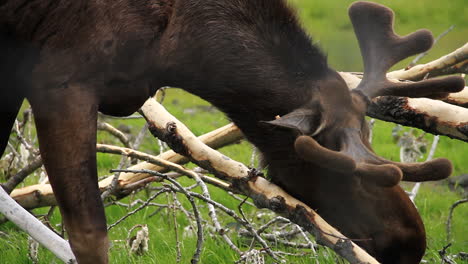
(381,48)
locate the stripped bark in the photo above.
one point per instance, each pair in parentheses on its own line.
(432,116)
(264,193)
(419,72)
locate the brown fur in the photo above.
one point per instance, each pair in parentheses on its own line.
(250,58)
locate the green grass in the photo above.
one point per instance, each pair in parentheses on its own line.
(327,22)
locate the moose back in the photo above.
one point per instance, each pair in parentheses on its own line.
(249,58)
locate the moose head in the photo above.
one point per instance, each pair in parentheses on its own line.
(341,177)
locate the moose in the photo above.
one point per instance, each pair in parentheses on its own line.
(249,58)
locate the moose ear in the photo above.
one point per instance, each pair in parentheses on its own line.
(303,120)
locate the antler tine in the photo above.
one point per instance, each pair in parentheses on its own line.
(381,48)
(311,150)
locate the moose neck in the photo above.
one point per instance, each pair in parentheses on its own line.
(252,67)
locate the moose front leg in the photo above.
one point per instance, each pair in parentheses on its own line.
(66,125)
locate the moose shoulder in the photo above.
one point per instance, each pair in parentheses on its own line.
(251,59)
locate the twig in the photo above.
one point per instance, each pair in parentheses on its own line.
(112,189)
(443,255)
(136,116)
(255,234)
(240,199)
(449,219)
(176,232)
(23,140)
(165,190)
(115,132)
(420,56)
(214,217)
(41,194)
(415,189)
(232,214)
(196,256)
(136,202)
(22,174)
(419,71)
(160,162)
(141,135)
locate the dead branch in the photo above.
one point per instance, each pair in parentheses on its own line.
(449,219)
(264,193)
(179,188)
(419,72)
(24,220)
(22,174)
(415,189)
(115,132)
(41,195)
(420,56)
(432,116)
(154,196)
(214,217)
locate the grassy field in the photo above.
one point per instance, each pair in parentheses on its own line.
(327,21)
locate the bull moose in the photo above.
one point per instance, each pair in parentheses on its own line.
(249,58)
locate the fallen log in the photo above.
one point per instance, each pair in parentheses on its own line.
(244,180)
(41,195)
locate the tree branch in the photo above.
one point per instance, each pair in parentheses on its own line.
(24,220)
(419,72)
(41,195)
(264,193)
(433,116)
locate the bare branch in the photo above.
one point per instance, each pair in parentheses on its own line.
(41,195)
(22,174)
(154,196)
(179,188)
(419,72)
(24,220)
(115,132)
(264,193)
(449,219)
(420,56)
